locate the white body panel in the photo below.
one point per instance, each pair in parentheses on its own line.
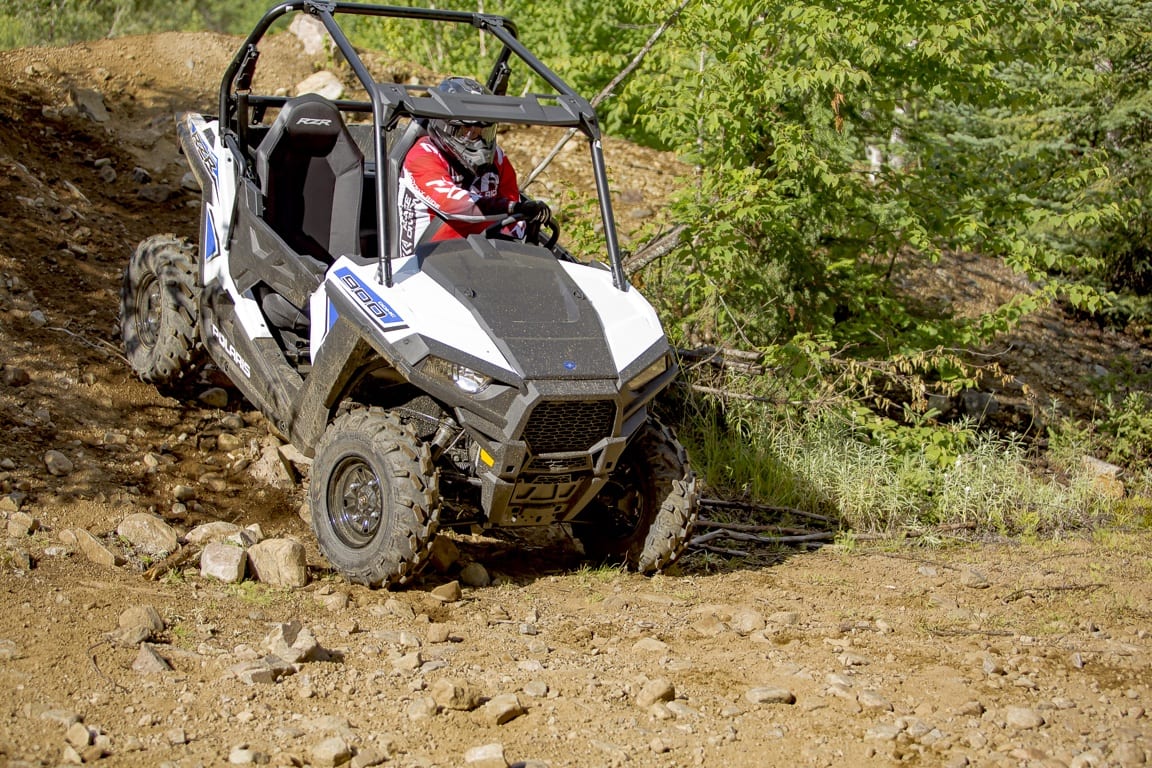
(630,323)
(414,304)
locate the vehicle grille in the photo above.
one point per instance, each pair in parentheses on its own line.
(562,464)
(560,426)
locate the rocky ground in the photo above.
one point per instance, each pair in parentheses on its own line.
(507,651)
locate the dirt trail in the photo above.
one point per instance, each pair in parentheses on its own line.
(1003,655)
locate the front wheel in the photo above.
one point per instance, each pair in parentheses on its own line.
(159,309)
(374,498)
(644,513)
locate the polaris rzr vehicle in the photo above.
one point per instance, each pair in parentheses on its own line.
(482,382)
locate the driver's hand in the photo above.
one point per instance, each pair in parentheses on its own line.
(533,211)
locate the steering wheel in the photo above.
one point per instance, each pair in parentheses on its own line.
(531,231)
(498,221)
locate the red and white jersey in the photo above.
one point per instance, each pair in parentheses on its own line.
(430,184)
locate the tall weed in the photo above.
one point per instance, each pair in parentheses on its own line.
(820,460)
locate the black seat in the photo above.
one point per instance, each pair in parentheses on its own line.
(311,175)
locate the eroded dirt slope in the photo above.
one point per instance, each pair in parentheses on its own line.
(1004,655)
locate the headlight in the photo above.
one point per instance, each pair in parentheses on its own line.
(645,376)
(468,380)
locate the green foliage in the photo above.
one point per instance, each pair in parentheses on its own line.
(60,22)
(1124,430)
(832,139)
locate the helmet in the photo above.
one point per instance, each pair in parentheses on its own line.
(470,143)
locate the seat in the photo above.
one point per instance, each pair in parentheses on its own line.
(400,142)
(311,177)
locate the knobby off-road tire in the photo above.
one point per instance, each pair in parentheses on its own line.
(375,500)
(159,308)
(643,515)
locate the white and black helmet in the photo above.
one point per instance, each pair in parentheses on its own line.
(470,143)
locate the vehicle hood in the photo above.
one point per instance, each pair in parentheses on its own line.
(521,296)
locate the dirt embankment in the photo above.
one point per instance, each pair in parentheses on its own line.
(1009,655)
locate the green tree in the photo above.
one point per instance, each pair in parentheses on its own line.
(831,138)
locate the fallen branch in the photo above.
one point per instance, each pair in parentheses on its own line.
(723,551)
(179,557)
(656,249)
(741,536)
(733,395)
(100,345)
(963,632)
(607,90)
(732,359)
(754,507)
(704,522)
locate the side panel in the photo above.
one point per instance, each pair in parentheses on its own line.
(255,366)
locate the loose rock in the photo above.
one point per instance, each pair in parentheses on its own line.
(141,616)
(149,534)
(95,550)
(769,695)
(444,554)
(225,562)
(475,575)
(149,661)
(292,642)
(501,709)
(1023,718)
(214,531)
(324,83)
(58,464)
(486,756)
(215,397)
(447,593)
(453,693)
(21,524)
(279,562)
(331,752)
(659,689)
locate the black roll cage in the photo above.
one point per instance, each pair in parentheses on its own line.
(391,102)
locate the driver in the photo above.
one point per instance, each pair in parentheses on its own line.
(457,170)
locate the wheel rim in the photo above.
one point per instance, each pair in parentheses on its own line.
(149,311)
(623,505)
(355,502)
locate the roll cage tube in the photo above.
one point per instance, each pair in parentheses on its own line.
(392,102)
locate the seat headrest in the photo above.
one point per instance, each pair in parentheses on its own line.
(311,123)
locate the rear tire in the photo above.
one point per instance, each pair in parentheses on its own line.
(643,515)
(374,498)
(159,308)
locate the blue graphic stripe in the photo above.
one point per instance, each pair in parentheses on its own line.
(375,306)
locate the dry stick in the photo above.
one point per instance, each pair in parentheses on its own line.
(706,523)
(632,65)
(1033,591)
(92,657)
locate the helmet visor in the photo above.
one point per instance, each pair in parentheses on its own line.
(468,132)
